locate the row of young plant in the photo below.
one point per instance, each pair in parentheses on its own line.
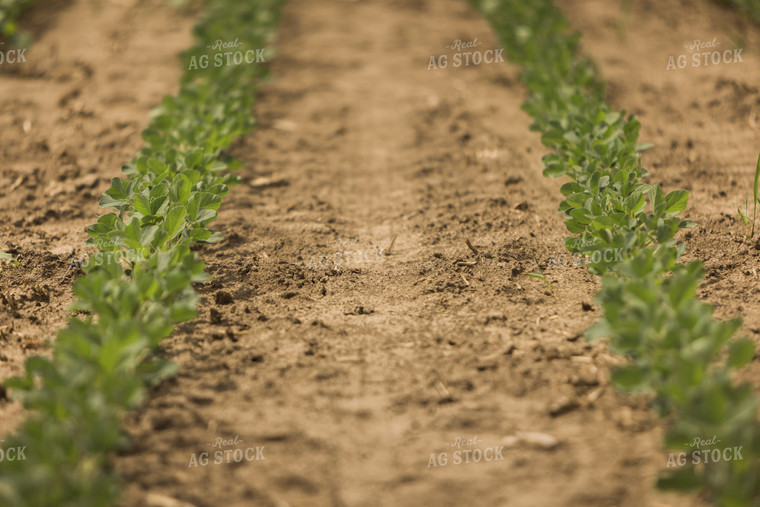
(10,10)
(139,284)
(749,7)
(651,315)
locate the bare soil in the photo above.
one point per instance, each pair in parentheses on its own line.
(353,373)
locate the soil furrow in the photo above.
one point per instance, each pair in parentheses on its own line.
(353,373)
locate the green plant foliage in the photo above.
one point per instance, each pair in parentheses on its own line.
(10,10)
(7,257)
(651,314)
(750,7)
(540,274)
(139,285)
(744,215)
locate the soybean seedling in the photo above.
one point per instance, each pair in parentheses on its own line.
(540,274)
(755,200)
(7,256)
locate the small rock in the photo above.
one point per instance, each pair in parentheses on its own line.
(595,394)
(157,500)
(562,406)
(510,441)
(540,440)
(586,377)
(624,418)
(62,251)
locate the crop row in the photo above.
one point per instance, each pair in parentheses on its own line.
(750,7)
(10,10)
(651,315)
(140,285)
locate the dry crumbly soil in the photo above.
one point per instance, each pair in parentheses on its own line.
(352,374)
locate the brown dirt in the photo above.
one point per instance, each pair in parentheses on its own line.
(352,376)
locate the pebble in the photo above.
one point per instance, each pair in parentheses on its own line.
(542,440)
(562,406)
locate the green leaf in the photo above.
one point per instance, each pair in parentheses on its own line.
(205,215)
(553,171)
(182,313)
(627,377)
(740,352)
(635,202)
(210,201)
(214,237)
(575,227)
(151,220)
(577,199)
(199,234)
(8,257)
(675,201)
(147,234)
(175,220)
(156,165)
(540,276)
(571,187)
(599,330)
(142,203)
(744,217)
(581,216)
(603,222)
(680,479)
(656,199)
(132,231)
(181,188)
(553,137)
(116,196)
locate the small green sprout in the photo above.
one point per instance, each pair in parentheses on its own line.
(745,215)
(8,257)
(540,274)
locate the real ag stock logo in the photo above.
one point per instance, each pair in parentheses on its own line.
(466,58)
(12,453)
(466,453)
(226,456)
(701,58)
(12,56)
(226,58)
(732,453)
